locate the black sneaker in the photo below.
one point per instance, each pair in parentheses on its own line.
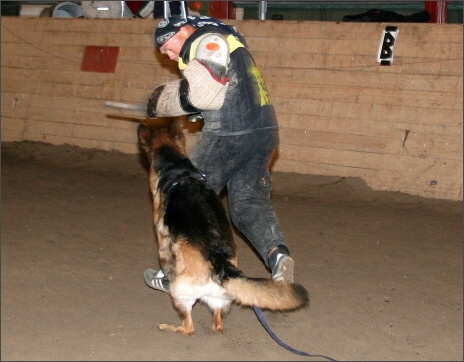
(156,280)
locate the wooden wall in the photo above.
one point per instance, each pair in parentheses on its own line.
(398,127)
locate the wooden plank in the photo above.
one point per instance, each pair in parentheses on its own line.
(387,179)
(12,136)
(403,48)
(330,30)
(373,126)
(346,158)
(15,104)
(348,77)
(79,142)
(438,146)
(94,132)
(127,148)
(62,37)
(308,167)
(111,26)
(366,110)
(440,98)
(86,118)
(86,93)
(74,54)
(317,67)
(13,125)
(143,55)
(38,62)
(362,159)
(419,171)
(127,68)
(75,78)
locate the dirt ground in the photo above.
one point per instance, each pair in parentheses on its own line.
(384,270)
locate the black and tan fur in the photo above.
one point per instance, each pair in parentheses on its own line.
(195,242)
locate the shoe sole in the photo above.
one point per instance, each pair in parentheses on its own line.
(287,271)
(150,278)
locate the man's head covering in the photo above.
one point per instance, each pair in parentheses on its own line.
(169,27)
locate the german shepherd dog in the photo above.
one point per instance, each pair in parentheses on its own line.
(195,244)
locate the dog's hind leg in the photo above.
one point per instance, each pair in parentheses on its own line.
(218,326)
(187,323)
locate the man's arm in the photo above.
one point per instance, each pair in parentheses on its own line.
(204,84)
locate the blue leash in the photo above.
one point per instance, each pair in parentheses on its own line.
(260,315)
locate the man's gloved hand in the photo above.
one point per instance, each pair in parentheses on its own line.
(153,101)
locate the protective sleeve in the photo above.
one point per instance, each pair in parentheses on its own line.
(203,87)
(165,101)
(204,91)
(199,90)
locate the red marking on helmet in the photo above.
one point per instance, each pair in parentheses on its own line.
(212,46)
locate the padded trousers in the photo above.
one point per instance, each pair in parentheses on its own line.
(241,163)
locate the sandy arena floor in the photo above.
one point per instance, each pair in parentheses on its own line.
(384,270)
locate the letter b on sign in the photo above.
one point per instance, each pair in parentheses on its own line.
(387,45)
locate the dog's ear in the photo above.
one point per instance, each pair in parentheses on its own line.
(176,131)
(144,136)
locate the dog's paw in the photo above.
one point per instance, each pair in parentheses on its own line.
(218,328)
(181,330)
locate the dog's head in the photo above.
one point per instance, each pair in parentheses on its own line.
(151,139)
(164,146)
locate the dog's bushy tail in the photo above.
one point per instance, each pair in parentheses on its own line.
(267,294)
